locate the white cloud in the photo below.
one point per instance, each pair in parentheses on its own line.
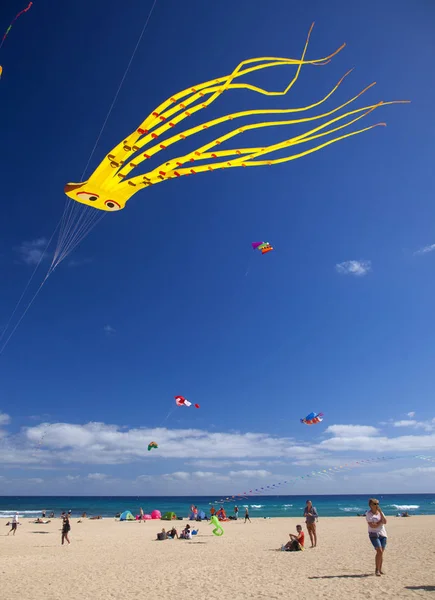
(72,477)
(426,249)
(425,425)
(411,414)
(247,474)
(180,475)
(376,445)
(352,430)
(354,267)
(97,476)
(31,253)
(98,443)
(35,480)
(109,330)
(223,464)
(4,419)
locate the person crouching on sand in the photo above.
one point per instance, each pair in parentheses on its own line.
(377,533)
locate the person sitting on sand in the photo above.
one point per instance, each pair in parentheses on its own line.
(95,518)
(173,534)
(162,535)
(84,516)
(40,521)
(296,542)
(186,534)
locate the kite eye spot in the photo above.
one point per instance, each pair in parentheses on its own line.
(87,196)
(112,205)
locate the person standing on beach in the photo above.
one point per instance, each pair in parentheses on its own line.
(141,514)
(14,524)
(377,533)
(247,515)
(66,528)
(310,514)
(236,512)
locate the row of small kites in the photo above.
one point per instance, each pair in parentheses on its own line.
(274,487)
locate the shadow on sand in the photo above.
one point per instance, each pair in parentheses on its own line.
(426,588)
(357,576)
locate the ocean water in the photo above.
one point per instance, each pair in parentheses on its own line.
(259,506)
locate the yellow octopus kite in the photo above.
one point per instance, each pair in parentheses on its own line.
(109,188)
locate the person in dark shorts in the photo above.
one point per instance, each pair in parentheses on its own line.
(310,514)
(66,528)
(247,515)
(14,524)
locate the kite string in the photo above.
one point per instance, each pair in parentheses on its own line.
(68,238)
(69,221)
(119,87)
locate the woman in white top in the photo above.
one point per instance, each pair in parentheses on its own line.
(377,533)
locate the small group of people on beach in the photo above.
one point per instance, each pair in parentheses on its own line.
(376,522)
(297,540)
(185,534)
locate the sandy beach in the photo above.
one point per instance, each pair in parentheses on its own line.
(109,559)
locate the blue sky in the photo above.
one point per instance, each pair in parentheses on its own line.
(155,301)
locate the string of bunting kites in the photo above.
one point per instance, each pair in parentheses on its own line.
(273,487)
(5,35)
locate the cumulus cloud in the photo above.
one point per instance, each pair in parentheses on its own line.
(425,425)
(246,474)
(223,464)
(425,249)
(378,444)
(4,419)
(98,443)
(97,476)
(31,253)
(411,414)
(358,268)
(352,430)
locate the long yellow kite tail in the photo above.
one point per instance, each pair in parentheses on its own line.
(125,149)
(205,168)
(190,132)
(154,150)
(164,172)
(129,146)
